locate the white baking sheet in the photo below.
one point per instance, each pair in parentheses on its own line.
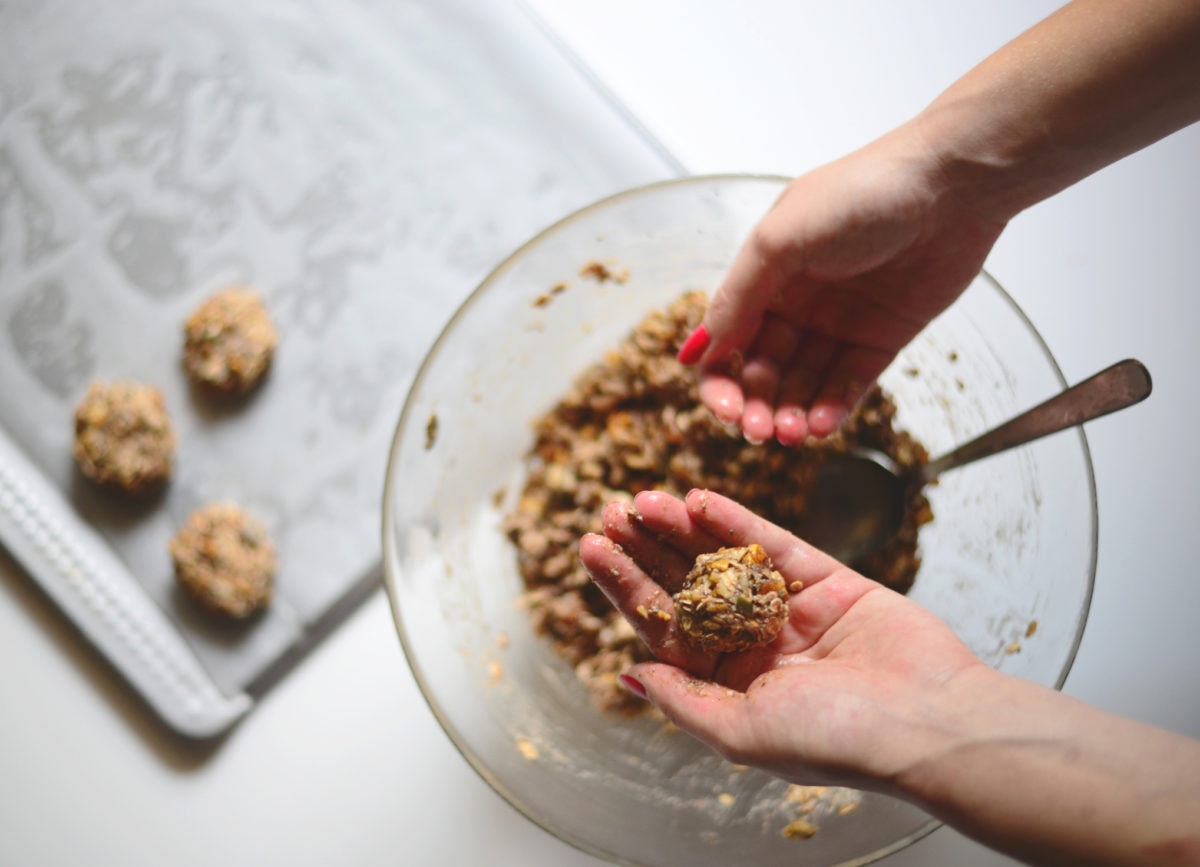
(362,164)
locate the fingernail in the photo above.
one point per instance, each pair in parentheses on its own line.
(701,497)
(824,420)
(694,346)
(632,685)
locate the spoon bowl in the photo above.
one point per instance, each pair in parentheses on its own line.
(856,505)
(858,500)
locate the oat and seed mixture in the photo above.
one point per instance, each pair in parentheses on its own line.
(229,341)
(634,422)
(225,560)
(732,600)
(123,436)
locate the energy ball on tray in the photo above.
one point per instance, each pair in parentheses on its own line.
(123,436)
(225,560)
(732,600)
(229,341)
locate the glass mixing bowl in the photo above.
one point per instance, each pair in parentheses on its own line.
(1012,544)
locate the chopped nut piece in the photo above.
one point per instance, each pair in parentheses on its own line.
(1013,647)
(600,272)
(1031,628)
(805,795)
(799,829)
(526,748)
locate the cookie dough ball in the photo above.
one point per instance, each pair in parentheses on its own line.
(123,436)
(229,341)
(732,600)
(225,560)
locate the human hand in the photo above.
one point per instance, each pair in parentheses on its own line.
(848,692)
(851,262)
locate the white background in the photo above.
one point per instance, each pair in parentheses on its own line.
(342,763)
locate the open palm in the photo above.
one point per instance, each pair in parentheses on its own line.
(855,661)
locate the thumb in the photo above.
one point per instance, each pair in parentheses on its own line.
(735,313)
(706,710)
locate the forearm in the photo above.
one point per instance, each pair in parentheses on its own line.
(1047,779)
(1087,86)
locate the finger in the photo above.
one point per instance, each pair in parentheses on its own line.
(800,386)
(653,555)
(796,392)
(642,601)
(736,525)
(772,351)
(847,380)
(767,273)
(669,520)
(722,394)
(735,312)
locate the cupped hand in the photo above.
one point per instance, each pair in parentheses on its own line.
(846,694)
(853,260)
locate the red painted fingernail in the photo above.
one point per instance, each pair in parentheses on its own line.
(694,346)
(633,686)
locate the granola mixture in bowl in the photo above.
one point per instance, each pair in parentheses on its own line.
(1011,543)
(633,421)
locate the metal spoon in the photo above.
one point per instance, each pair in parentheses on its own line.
(858,501)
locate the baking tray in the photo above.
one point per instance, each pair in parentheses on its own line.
(362,165)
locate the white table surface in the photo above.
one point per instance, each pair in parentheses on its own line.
(342,762)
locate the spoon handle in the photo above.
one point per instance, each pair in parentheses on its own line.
(1124,384)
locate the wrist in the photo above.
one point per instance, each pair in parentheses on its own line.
(1092,83)
(937,726)
(957,720)
(991,171)
(1017,765)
